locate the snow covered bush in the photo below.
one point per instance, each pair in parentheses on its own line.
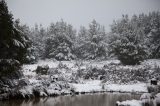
(94,72)
(133,74)
(61,73)
(61,65)
(80,73)
(31,58)
(78,63)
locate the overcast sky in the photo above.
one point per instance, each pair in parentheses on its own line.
(78,12)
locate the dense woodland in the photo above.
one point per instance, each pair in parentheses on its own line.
(132,39)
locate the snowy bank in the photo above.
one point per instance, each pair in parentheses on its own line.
(97,86)
(139,87)
(130,103)
(88,86)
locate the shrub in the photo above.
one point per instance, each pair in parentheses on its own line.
(94,72)
(151,89)
(8,66)
(61,65)
(43,70)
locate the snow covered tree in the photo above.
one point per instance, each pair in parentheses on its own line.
(127,41)
(30,55)
(81,39)
(153,35)
(59,44)
(13,43)
(38,36)
(91,43)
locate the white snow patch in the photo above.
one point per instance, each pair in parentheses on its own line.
(140,87)
(130,103)
(88,86)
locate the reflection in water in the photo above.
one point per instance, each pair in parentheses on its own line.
(106,99)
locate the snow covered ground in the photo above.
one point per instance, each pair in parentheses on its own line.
(97,86)
(139,87)
(83,85)
(130,103)
(88,86)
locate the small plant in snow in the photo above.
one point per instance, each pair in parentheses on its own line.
(78,63)
(43,70)
(61,65)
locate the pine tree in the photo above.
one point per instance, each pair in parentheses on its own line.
(91,41)
(13,45)
(81,39)
(127,41)
(59,44)
(154,34)
(31,57)
(38,36)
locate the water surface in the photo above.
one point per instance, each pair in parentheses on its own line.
(106,99)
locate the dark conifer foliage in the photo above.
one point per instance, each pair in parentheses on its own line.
(13,43)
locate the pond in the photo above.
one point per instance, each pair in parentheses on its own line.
(105,99)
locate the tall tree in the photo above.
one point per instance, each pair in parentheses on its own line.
(31,55)
(38,36)
(59,44)
(92,43)
(154,34)
(13,43)
(127,40)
